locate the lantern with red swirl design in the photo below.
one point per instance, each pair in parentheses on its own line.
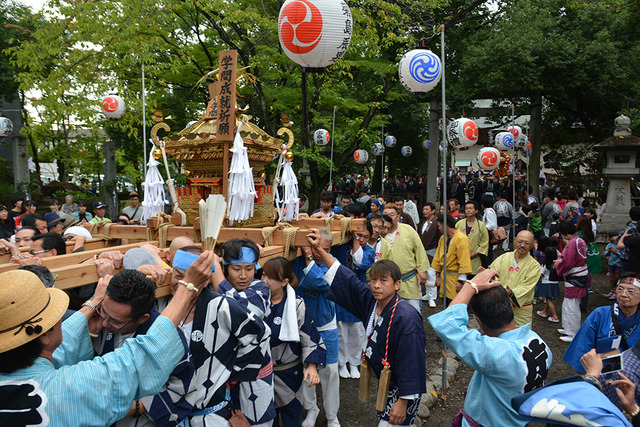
(361,156)
(488,158)
(315,33)
(462,133)
(321,137)
(113,107)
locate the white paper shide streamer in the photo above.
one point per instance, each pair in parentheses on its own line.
(242,191)
(154,200)
(288,206)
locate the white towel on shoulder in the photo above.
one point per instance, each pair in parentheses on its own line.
(289,329)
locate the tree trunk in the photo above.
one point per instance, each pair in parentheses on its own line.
(536,144)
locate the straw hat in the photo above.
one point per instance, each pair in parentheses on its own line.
(27,308)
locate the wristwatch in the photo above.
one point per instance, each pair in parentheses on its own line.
(309,257)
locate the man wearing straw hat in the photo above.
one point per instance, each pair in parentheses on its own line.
(48,380)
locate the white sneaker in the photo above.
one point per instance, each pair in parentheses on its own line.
(354,370)
(425,298)
(561,331)
(310,420)
(432,303)
(566,339)
(333,423)
(344,371)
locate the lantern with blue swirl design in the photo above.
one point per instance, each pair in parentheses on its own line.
(420,70)
(504,141)
(315,33)
(390,141)
(321,137)
(406,151)
(426,144)
(378,149)
(361,156)
(462,133)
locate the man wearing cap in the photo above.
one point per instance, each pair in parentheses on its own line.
(42,381)
(99,209)
(133,211)
(54,222)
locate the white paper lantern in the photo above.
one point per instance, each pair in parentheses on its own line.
(378,149)
(420,70)
(321,137)
(315,33)
(406,151)
(488,158)
(113,107)
(426,144)
(361,156)
(6,127)
(516,131)
(390,141)
(529,149)
(504,141)
(462,133)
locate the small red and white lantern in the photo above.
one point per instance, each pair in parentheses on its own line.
(488,158)
(516,131)
(6,127)
(462,132)
(361,156)
(315,33)
(321,137)
(504,141)
(406,151)
(113,107)
(420,70)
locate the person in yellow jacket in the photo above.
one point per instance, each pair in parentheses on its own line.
(407,251)
(519,274)
(458,258)
(477,233)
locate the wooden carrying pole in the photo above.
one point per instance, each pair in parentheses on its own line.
(72,273)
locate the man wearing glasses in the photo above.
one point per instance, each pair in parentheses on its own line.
(609,328)
(127,311)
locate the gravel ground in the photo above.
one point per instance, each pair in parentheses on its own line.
(354,413)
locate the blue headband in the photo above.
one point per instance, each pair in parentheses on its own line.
(247,256)
(184,259)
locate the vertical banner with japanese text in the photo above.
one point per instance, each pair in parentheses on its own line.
(227,96)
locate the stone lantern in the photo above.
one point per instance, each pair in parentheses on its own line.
(621,151)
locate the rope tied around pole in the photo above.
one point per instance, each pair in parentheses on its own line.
(105,234)
(345,226)
(164,222)
(288,236)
